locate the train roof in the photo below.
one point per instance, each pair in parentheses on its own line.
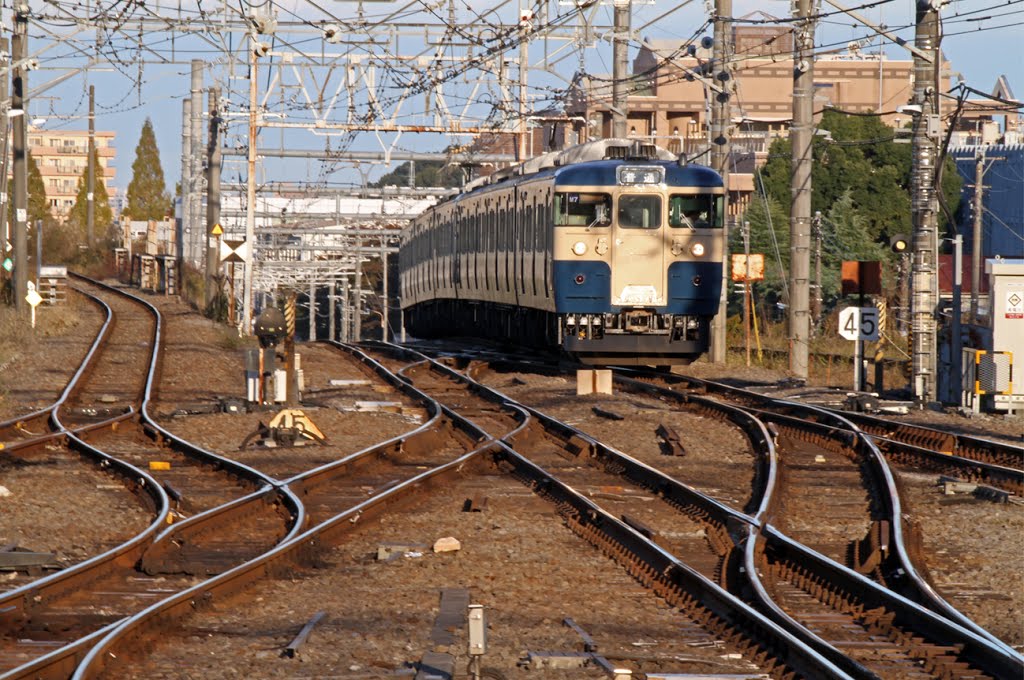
(595,164)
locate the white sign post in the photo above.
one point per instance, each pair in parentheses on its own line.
(33,299)
(859,324)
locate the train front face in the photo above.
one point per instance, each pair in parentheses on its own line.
(637,260)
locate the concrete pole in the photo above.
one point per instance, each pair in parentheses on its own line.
(250,211)
(19,88)
(357,306)
(924,269)
(801,136)
(213,163)
(5,236)
(90,196)
(816,301)
(346,329)
(746,289)
(183,226)
(976,241)
(721,113)
(386,303)
(196,251)
(331,302)
(956,346)
(620,66)
(524,65)
(312,311)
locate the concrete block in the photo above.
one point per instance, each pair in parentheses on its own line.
(447,544)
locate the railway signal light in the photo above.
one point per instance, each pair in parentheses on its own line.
(899,243)
(8,264)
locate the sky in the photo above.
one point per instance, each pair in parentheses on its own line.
(982,41)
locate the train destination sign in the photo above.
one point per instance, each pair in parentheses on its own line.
(641,174)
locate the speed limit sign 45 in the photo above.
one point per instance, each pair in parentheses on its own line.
(859,323)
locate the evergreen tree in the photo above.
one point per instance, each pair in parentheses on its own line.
(861,159)
(428,174)
(147,193)
(102,213)
(769,235)
(845,236)
(38,204)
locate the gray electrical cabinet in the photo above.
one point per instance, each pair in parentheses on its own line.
(1003,372)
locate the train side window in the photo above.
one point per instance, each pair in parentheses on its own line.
(639,211)
(576,209)
(702,211)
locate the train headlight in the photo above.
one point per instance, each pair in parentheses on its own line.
(697,249)
(579,247)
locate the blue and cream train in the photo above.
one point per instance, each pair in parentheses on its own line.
(610,250)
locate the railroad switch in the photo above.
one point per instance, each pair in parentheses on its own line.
(290,427)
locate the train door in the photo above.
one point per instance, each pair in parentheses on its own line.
(637,252)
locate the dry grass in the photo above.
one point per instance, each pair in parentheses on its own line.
(17,335)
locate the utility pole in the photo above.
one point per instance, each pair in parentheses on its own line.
(976,245)
(19,108)
(90,195)
(620,66)
(5,235)
(746,289)
(721,113)
(801,135)
(357,307)
(213,163)
(816,300)
(182,228)
(250,202)
(312,310)
(331,302)
(346,329)
(386,302)
(197,236)
(524,65)
(924,269)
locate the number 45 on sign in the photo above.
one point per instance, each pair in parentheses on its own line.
(859,323)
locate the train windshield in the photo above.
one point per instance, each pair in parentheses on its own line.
(639,212)
(695,212)
(582,209)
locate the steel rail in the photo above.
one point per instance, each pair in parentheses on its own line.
(905,573)
(20,602)
(44,413)
(297,549)
(981,647)
(960,454)
(663,572)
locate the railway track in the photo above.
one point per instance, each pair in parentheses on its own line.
(476,431)
(971,458)
(709,607)
(48,624)
(945,645)
(834,440)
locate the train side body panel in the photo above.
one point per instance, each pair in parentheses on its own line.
(616,261)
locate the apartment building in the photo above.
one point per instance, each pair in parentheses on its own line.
(62,157)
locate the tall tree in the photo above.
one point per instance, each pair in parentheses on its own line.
(861,158)
(147,193)
(428,174)
(38,203)
(103,214)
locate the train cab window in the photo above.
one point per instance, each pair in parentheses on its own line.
(576,209)
(695,212)
(639,212)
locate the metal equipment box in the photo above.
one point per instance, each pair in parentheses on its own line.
(1006,319)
